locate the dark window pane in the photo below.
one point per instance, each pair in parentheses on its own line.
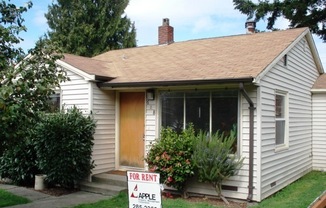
(172,110)
(280,131)
(279,106)
(224,111)
(54,102)
(197,110)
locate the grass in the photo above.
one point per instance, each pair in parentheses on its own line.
(9,199)
(121,201)
(299,194)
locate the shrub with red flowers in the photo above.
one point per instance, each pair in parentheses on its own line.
(170,156)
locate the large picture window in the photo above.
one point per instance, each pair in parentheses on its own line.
(209,111)
(280,118)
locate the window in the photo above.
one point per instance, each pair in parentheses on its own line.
(54,102)
(209,111)
(281,119)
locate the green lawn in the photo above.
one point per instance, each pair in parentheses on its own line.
(8,199)
(121,201)
(299,195)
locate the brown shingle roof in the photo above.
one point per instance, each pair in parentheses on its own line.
(320,83)
(91,66)
(232,57)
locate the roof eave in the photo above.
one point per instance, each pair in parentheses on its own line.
(312,46)
(85,75)
(152,84)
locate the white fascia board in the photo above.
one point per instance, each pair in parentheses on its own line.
(86,76)
(280,56)
(315,53)
(316,91)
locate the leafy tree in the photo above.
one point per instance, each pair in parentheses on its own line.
(90,27)
(25,88)
(311,13)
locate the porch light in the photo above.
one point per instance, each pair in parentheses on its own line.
(150,94)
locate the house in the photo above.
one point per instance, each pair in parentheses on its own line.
(270,85)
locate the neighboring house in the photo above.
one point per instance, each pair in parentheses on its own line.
(261,82)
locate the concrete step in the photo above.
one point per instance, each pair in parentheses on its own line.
(112,179)
(101,188)
(106,183)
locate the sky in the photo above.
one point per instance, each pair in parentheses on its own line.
(191,19)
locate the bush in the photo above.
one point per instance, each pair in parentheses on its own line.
(171,157)
(63,144)
(213,159)
(19,163)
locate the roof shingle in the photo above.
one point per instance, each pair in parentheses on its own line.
(228,57)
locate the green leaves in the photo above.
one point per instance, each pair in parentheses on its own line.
(90,27)
(171,157)
(63,143)
(300,13)
(213,158)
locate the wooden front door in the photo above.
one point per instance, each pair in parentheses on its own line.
(132,124)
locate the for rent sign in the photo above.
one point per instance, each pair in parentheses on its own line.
(144,190)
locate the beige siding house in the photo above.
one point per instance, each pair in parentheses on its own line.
(262,83)
(319,124)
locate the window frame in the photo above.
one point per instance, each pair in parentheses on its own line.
(210,110)
(285,144)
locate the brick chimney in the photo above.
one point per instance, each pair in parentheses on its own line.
(250,26)
(165,33)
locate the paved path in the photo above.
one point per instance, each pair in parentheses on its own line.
(40,200)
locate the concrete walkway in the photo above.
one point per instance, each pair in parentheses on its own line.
(40,200)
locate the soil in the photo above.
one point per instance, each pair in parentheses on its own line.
(214,201)
(58,191)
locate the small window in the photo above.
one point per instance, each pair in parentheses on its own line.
(281,119)
(55,102)
(285,60)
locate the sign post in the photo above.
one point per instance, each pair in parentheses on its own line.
(144,190)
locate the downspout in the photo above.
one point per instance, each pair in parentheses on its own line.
(251,140)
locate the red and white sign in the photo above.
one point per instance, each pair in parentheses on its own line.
(144,189)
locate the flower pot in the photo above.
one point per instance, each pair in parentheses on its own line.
(39,182)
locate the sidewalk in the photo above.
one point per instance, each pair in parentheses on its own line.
(40,200)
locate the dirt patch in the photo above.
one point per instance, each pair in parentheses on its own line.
(57,191)
(214,201)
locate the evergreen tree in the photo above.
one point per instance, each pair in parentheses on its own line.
(90,27)
(310,13)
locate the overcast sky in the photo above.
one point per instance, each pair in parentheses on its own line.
(191,19)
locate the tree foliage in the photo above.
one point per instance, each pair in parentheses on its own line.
(63,144)
(25,88)
(90,27)
(310,13)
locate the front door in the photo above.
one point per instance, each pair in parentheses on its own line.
(132,124)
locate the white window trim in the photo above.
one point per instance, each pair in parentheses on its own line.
(285,145)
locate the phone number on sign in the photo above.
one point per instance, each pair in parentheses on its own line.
(141,206)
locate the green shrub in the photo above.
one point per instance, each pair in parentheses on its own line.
(171,155)
(214,160)
(63,145)
(18,163)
